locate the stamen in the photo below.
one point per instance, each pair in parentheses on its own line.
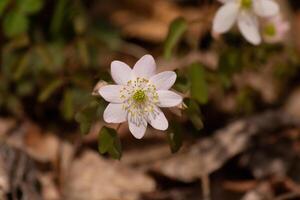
(246,4)
(270,30)
(142,101)
(139,96)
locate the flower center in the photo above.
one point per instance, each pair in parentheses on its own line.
(140,99)
(270,30)
(246,4)
(139,96)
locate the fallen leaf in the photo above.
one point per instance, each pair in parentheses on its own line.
(95,178)
(208,155)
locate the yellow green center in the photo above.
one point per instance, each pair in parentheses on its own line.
(246,4)
(139,96)
(270,30)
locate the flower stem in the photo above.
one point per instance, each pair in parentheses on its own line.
(205,182)
(118,127)
(205,186)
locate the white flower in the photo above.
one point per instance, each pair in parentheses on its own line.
(138,95)
(245,12)
(275,29)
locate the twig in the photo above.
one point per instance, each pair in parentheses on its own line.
(210,154)
(205,186)
(205,183)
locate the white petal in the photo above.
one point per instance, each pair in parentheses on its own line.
(248,26)
(225,1)
(111,93)
(266,8)
(158,120)
(145,67)
(114,113)
(137,131)
(120,72)
(164,80)
(168,98)
(225,17)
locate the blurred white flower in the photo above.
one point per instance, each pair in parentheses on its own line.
(138,95)
(245,12)
(275,29)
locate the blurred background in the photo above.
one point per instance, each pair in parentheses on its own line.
(237,135)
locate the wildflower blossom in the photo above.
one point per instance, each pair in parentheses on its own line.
(138,95)
(275,29)
(245,13)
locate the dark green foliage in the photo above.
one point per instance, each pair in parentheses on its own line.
(110,143)
(89,114)
(50,89)
(230,62)
(175,133)
(3,5)
(16,20)
(29,6)
(199,89)
(15,23)
(176,31)
(194,113)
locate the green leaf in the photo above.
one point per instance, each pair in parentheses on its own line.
(108,35)
(194,114)
(116,150)
(15,23)
(88,115)
(25,88)
(3,5)
(244,99)
(30,6)
(199,89)
(230,62)
(80,24)
(51,56)
(83,52)
(106,139)
(175,136)
(58,16)
(109,142)
(176,30)
(182,83)
(49,90)
(22,66)
(67,105)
